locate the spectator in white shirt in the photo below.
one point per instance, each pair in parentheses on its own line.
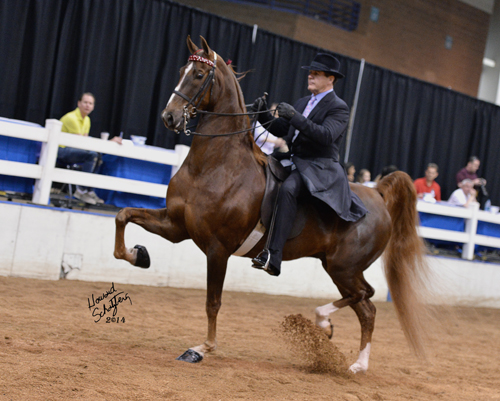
(267,141)
(465,195)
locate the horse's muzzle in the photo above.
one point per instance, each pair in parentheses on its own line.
(170,121)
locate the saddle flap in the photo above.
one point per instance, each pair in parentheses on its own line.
(276,169)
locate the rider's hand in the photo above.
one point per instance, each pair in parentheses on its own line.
(259,104)
(286,111)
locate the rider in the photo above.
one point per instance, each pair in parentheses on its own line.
(313,129)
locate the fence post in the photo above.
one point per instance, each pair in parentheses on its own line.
(48,157)
(471,229)
(182,151)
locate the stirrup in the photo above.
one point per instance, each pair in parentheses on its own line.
(261,261)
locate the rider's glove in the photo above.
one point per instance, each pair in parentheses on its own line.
(259,104)
(286,111)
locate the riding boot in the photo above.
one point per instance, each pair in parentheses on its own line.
(270,258)
(263,261)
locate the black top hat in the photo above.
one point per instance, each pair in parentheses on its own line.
(325,62)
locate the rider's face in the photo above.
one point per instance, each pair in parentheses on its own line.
(318,82)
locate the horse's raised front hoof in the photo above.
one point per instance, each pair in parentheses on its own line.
(142,257)
(190,356)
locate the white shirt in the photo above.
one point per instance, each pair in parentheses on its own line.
(262,136)
(458,197)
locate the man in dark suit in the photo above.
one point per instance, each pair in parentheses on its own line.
(313,129)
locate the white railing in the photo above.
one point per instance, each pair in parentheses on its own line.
(46,172)
(469,237)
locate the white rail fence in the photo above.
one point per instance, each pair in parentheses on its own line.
(46,172)
(469,238)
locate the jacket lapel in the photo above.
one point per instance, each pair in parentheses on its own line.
(303,105)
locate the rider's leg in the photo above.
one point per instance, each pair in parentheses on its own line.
(290,190)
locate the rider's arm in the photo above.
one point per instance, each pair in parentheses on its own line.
(326,133)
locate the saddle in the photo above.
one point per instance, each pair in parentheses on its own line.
(275,175)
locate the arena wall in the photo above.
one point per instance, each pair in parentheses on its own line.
(409,36)
(51,244)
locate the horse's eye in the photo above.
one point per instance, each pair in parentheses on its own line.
(199,76)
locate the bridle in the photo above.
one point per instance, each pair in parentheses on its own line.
(196,100)
(210,79)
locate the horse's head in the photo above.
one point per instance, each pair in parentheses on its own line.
(195,87)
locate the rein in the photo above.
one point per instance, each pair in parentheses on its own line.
(188,132)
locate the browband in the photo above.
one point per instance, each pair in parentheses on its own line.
(194,57)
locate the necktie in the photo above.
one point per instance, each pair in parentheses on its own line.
(310,106)
(305,113)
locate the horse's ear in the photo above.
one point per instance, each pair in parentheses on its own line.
(205,46)
(191,46)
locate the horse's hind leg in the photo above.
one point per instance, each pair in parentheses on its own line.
(155,221)
(355,293)
(366,314)
(365,310)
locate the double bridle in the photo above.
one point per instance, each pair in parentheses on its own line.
(196,100)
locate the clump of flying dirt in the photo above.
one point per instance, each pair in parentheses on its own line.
(311,344)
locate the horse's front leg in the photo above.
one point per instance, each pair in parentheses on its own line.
(156,221)
(216,272)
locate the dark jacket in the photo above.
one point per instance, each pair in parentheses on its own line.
(315,152)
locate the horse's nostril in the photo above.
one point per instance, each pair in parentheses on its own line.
(168,119)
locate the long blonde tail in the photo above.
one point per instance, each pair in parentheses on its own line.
(406,268)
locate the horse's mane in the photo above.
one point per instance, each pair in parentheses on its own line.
(257,152)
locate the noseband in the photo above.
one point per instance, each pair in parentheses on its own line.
(198,97)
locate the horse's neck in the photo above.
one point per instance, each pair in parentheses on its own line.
(232,153)
(228,150)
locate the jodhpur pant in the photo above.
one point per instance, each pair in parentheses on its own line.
(290,190)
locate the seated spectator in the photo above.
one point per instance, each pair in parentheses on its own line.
(470,172)
(267,142)
(427,188)
(78,122)
(465,195)
(364,177)
(350,171)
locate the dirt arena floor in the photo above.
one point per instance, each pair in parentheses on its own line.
(51,349)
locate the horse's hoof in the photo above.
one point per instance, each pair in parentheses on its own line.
(190,356)
(142,257)
(331,330)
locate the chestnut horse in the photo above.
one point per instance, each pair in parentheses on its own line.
(215,199)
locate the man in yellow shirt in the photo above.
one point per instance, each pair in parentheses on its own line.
(78,122)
